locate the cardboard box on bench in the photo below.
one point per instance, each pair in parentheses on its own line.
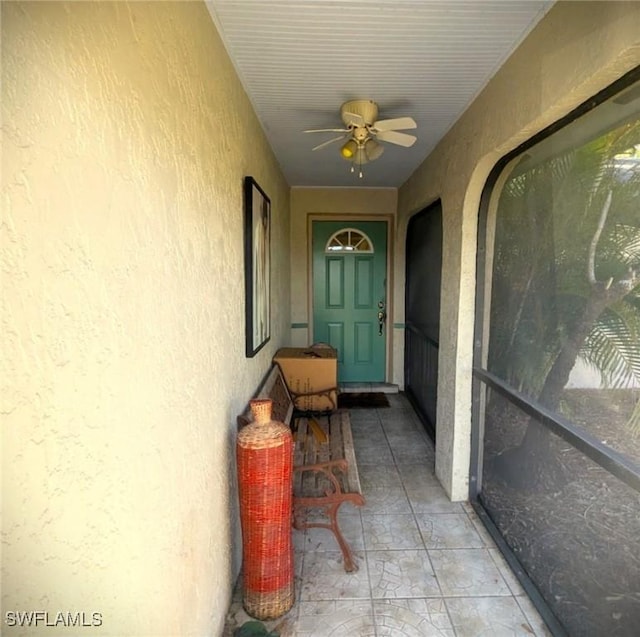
(307,370)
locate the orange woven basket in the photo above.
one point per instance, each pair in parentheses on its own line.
(265,466)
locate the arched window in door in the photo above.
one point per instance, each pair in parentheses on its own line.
(349,240)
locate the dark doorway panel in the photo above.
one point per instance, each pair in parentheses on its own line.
(422,312)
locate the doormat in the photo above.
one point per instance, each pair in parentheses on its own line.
(363,400)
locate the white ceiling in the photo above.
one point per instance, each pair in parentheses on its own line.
(299,60)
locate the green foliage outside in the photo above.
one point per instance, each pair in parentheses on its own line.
(566,269)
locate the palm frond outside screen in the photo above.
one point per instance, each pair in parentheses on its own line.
(565,305)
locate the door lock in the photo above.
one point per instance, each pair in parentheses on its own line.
(382,317)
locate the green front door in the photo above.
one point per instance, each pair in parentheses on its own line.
(349,275)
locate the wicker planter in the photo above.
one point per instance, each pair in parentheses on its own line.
(265,466)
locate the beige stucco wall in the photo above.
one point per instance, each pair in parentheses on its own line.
(126,135)
(315,203)
(576,50)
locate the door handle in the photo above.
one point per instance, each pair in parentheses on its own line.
(382,317)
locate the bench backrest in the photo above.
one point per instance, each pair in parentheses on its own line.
(273,386)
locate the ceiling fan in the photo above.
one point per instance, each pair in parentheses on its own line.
(363,132)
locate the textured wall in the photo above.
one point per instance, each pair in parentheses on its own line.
(325,201)
(126,135)
(575,51)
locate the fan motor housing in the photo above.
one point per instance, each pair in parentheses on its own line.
(367,109)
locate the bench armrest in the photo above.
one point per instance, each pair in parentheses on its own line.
(328,393)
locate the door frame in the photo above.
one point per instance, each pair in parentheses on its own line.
(355,218)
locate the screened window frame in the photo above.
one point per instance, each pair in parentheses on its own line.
(606,457)
(483,380)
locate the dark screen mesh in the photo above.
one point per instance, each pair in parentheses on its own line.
(573,526)
(422,313)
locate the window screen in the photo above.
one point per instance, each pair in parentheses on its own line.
(561,328)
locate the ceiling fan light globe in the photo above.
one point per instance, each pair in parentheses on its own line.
(361,157)
(349,149)
(373,149)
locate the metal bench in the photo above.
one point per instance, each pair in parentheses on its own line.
(325,469)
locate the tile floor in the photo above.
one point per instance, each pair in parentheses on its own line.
(427,567)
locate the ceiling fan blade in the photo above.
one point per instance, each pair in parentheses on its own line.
(393,137)
(335,139)
(399,123)
(327,130)
(353,119)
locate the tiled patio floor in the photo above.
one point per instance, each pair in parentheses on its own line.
(427,567)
